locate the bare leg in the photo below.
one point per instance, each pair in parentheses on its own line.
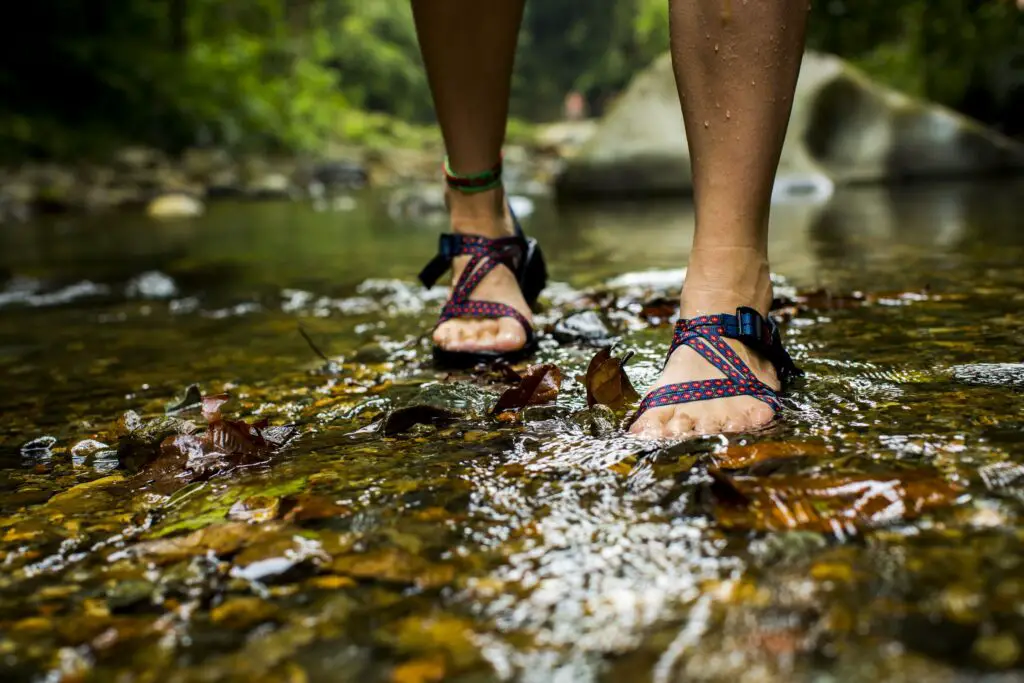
(469,49)
(736,65)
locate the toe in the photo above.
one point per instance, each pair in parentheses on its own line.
(710,423)
(448,335)
(681,424)
(510,335)
(485,334)
(759,416)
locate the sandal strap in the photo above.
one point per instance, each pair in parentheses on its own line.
(706,390)
(508,251)
(484,309)
(757,333)
(705,335)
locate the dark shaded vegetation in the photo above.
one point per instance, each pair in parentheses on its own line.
(80,78)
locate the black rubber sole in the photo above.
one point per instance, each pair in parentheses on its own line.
(463,360)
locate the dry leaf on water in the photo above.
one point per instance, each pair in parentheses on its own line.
(606,381)
(540,384)
(839,503)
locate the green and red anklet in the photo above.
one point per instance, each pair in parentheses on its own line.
(472,183)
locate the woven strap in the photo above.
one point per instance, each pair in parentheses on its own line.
(485,255)
(706,335)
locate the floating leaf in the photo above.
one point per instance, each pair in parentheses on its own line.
(540,384)
(607,382)
(402,420)
(193,399)
(840,503)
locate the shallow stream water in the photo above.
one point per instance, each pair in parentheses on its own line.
(875,533)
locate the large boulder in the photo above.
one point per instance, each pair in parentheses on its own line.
(845,128)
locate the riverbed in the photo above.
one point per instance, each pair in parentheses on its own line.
(874,533)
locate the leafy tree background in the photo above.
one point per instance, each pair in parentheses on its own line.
(81,78)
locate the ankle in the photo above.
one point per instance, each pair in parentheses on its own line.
(482,213)
(719,280)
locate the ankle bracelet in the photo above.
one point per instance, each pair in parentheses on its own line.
(472,183)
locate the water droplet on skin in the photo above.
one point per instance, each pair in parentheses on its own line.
(753,82)
(728,114)
(716,47)
(707,124)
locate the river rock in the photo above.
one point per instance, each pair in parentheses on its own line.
(177,205)
(845,128)
(341,173)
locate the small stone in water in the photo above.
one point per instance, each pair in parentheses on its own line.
(40,446)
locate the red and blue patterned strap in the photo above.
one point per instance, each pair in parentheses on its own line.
(706,335)
(485,255)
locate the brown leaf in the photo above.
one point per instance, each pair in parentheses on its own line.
(390,565)
(738,456)
(840,504)
(402,420)
(540,384)
(659,310)
(606,381)
(220,539)
(212,405)
(306,507)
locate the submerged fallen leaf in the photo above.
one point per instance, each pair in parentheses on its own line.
(841,504)
(219,539)
(306,507)
(540,384)
(184,454)
(402,420)
(607,382)
(738,456)
(391,565)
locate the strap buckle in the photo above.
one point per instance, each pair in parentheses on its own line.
(755,328)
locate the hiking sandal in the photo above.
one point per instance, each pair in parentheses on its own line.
(520,254)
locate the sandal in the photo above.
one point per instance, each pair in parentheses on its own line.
(704,335)
(520,254)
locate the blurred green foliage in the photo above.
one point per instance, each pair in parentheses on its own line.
(292,74)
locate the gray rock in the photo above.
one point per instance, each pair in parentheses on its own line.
(845,128)
(585,327)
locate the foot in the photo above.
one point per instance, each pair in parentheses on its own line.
(485,214)
(717,281)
